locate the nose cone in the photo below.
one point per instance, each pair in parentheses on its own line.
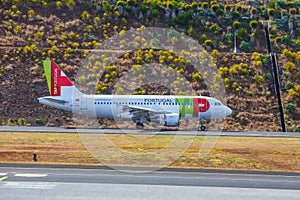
(228,111)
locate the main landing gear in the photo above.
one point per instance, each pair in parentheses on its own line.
(139,125)
(202,127)
(139,122)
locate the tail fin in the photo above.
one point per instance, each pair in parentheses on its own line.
(58,82)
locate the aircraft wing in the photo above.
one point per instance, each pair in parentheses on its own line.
(141,110)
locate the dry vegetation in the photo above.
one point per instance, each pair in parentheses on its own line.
(268,154)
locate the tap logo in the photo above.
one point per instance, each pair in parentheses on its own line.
(58,79)
(55,82)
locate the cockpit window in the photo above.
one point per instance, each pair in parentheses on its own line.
(217,103)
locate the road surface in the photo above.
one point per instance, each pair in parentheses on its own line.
(71,182)
(136,131)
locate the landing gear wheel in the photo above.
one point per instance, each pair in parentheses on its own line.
(202,128)
(139,125)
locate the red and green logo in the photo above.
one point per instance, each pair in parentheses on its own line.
(55,78)
(192,106)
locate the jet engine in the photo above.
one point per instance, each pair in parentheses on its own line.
(169,119)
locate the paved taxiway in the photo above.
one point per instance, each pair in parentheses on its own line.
(136,131)
(67,182)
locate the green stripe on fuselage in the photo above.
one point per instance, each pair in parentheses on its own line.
(185,106)
(47,69)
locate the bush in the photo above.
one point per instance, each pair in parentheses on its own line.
(155,13)
(290,66)
(287,53)
(208,43)
(215,53)
(269,75)
(229,36)
(258,63)
(245,72)
(197,77)
(285,39)
(290,107)
(245,46)
(203,37)
(38,121)
(214,28)
(242,33)
(288,85)
(21,122)
(259,78)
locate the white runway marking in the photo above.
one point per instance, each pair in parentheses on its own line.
(28,185)
(31,175)
(3,174)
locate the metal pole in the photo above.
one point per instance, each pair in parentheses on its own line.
(276,78)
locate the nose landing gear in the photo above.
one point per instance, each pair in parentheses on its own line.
(202,127)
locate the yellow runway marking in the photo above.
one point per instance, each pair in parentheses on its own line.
(3,178)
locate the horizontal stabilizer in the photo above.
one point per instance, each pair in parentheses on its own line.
(54,100)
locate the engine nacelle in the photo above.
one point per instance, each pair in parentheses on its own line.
(169,119)
(124,115)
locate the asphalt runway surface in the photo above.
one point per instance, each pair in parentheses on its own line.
(149,132)
(72,182)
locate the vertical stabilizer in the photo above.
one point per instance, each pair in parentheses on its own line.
(58,83)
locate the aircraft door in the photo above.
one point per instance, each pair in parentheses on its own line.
(83,103)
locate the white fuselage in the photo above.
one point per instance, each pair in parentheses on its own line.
(123,106)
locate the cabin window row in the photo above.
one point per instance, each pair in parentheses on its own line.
(140,103)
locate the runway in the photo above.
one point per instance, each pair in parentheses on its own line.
(70,182)
(137,131)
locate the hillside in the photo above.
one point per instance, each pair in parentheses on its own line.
(68,32)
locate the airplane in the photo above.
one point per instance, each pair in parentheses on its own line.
(163,109)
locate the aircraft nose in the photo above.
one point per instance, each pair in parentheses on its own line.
(228,111)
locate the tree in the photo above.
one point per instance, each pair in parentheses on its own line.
(236,25)
(292,11)
(271,12)
(242,33)
(253,25)
(205,5)
(253,13)
(215,7)
(245,46)
(227,9)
